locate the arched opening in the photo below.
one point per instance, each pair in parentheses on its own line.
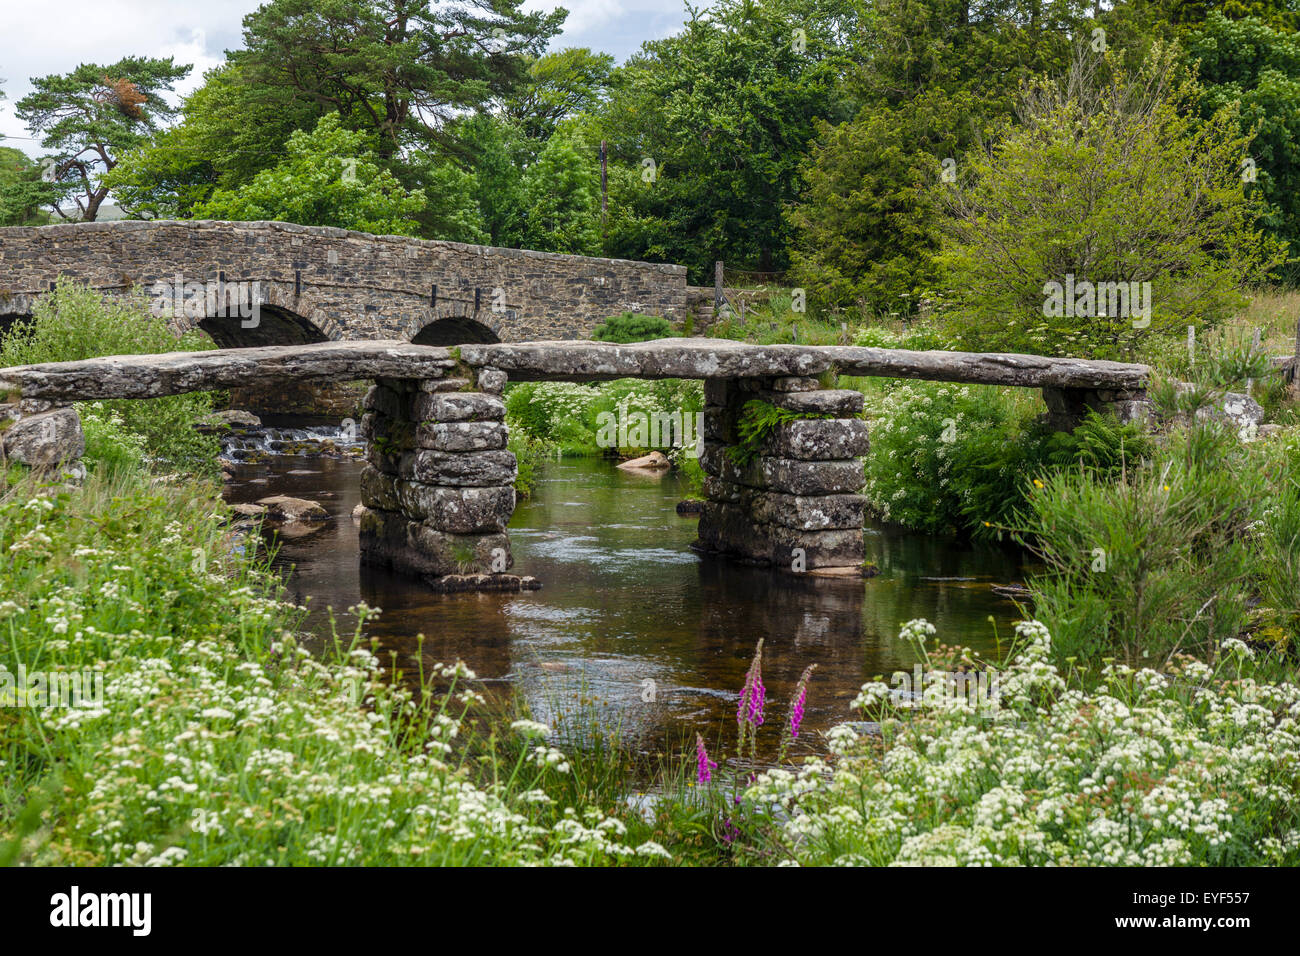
(8,320)
(287,403)
(455,330)
(271,325)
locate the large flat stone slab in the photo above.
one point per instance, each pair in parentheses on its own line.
(728,529)
(723,358)
(473,469)
(171,373)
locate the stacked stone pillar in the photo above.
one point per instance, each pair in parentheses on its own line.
(438,485)
(796,506)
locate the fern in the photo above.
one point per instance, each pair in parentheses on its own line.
(757,422)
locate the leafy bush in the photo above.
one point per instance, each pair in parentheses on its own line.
(75,322)
(632,327)
(1155,562)
(554,413)
(949,458)
(110,445)
(1108,178)
(571,416)
(1100,444)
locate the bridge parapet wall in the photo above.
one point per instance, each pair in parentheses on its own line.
(350,285)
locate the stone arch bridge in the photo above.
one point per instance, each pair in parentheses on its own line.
(321,284)
(438,485)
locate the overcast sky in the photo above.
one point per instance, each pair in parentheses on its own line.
(38,38)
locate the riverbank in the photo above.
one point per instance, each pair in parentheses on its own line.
(219,739)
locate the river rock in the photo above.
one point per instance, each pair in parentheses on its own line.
(451,384)
(809,513)
(491,380)
(731,530)
(386,401)
(227,419)
(655,461)
(837,402)
(391,539)
(289,510)
(1240,411)
(45,440)
(455,583)
(248,510)
(394,434)
(787,475)
(458,510)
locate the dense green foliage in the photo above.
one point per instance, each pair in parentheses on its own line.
(328,178)
(1109,178)
(1174,555)
(863,152)
(632,327)
(1247,65)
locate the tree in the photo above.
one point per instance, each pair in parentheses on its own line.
(401,70)
(937,76)
(230,129)
(497,151)
(707,128)
(1109,177)
(559,85)
(328,178)
(866,222)
(23,190)
(1256,67)
(90,116)
(561,195)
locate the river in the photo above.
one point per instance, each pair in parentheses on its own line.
(632,625)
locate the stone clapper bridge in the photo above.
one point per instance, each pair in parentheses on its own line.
(438,484)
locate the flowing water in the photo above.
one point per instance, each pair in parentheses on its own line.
(630,623)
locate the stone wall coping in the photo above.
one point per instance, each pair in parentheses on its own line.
(61,231)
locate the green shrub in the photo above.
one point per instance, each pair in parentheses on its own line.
(1108,177)
(632,327)
(575,418)
(1154,562)
(110,445)
(528,454)
(1100,444)
(950,458)
(75,322)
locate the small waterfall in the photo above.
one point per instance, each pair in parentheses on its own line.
(244,444)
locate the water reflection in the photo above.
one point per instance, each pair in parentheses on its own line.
(656,638)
